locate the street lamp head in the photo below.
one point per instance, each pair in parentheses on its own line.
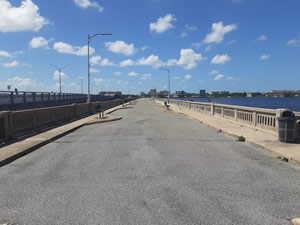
(164,69)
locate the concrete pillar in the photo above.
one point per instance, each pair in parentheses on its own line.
(212,108)
(235,114)
(7,129)
(254,119)
(74,105)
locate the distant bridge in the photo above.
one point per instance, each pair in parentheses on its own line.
(18,100)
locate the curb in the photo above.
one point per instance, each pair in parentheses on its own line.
(36,146)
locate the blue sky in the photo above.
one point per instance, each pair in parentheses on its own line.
(235,45)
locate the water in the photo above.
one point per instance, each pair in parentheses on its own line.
(292,103)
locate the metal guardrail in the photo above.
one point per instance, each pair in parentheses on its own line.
(17,97)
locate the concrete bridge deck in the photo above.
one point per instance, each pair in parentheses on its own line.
(151,167)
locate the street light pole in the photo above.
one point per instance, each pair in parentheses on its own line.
(59,70)
(89,75)
(169,81)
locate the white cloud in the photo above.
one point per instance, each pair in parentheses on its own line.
(5,54)
(188,59)
(65,48)
(118,73)
(23,18)
(219,77)
(56,75)
(196,44)
(18,52)
(294,42)
(14,63)
(20,83)
(163,24)
(188,77)
(93,70)
(191,28)
(218,32)
(214,72)
(262,38)
(132,74)
(146,76)
(176,78)
(264,57)
(232,78)
(120,47)
(126,63)
(106,62)
(144,47)
(183,34)
(38,42)
(87,3)
(99,80)
(221,59)
(152,60)
(95,60)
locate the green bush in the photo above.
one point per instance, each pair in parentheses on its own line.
(241,139)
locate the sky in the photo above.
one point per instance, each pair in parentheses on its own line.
(216,45)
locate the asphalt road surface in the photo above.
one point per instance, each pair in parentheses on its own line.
(151,167)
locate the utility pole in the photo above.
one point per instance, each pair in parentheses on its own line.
(59,70)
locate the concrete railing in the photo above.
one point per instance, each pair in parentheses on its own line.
(257,117)
(17,123)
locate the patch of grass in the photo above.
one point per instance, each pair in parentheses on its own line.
(241,138)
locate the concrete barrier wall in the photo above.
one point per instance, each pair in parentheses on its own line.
(17,123)
(257,117)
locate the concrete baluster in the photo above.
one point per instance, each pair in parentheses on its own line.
(254,119)
(212,108)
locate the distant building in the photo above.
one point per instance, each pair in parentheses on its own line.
(220,93)
(180,94)
(152,93)
(238,94)
(163,93)
(143,93)
(202,92)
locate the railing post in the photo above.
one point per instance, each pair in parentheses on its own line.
(42,95)
(33,96)
(190,105)
(12,97)
(235,114)
(254,119)
(222,111)
(212,108)
(24,97)
(7,117)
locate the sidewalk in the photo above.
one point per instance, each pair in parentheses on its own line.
(16,150)
(255,136)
